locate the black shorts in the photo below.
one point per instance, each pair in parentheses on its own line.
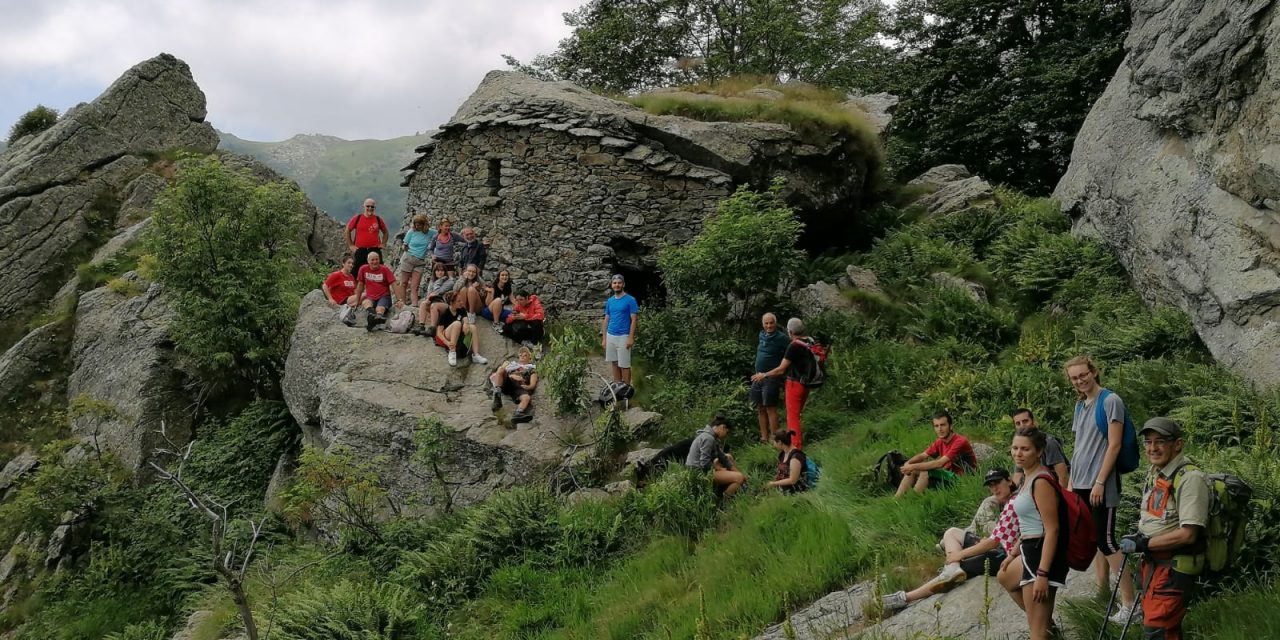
(510,388)
(1031,562)
(765,392)
(988,562)
(1104,523)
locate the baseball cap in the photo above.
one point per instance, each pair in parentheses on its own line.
(617,277)
(995,475)
(1163,426)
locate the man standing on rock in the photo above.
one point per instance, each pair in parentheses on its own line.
(366,232)
(373,287)
(766,391)
(619,328)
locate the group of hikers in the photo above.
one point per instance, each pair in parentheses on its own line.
(437,291)
(1048,516)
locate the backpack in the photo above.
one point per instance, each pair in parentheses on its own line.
(890,466)
(401,323)
(812,473)
(1228,515)
(1082,538)
(1127,461)
(817,374)
(620,391)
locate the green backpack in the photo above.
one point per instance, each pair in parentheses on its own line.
(1228,516)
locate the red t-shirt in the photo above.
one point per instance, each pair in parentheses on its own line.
(959,453)
(367,228)
(341,286)
(376,283)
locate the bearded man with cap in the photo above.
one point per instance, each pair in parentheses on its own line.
(975,550)
(619,329)
(1173,514)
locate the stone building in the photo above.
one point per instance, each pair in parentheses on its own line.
(570,186)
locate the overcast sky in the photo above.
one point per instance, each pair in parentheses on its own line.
(272,69)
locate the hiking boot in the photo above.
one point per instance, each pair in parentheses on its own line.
(497,399)
(479,359)
(895,601)
(418,329)
(1125,614)
(370,321)
(521,416)
(453,358)
(350,319)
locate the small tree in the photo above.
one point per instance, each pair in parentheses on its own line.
(33,122)
(334,489)
(746,247)
(431,445)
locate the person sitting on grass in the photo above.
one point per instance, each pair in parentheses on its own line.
(497,301)
(517,379)
(440,284)
(524,325)
(373,288)
(452,331)
(790,477)
(949,456)
(977,549)
(706,453)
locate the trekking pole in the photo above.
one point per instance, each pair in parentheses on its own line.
(1136,600)
(1106,617)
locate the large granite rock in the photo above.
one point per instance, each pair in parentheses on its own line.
(18,363)
(57,185)
(368,391)
(123,361)
(1177,168)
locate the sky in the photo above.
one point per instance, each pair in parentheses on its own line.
(273,69)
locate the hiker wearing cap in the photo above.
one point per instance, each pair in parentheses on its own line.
(949,456)
(1053,457)
(619,329)
(977,549)
(1038,567)
(765,390)
(1094,475)
(366,232)
(1171,526)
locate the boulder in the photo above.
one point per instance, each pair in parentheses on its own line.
(638,421)
(1177,169)
(18,364)
(15,470)
(819,297)
(941,175)
(123,361)
(958,196)
(952,281)
(61,184)
(368,391)
(862,279)
(983,451)
(834,612)
(877,107)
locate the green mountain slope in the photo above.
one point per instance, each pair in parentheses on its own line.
(338,174)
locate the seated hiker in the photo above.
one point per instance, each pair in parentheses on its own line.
(790,477)
(413,259)
(340,289)
(949,456)
(525,322)
(373,287)
(517,379)
(977,549)
(440,284)
(707,454)
(497,300)
(471,290)
(452,333)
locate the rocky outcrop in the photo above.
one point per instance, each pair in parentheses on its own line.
(18,363)
(58,186)
(1177,169)
(571,186)
(368,391)
(819,297)
(125,377)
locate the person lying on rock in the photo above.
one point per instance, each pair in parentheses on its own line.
(524,325)
(517,379)
(707,454)
(340,289)
(452,333)
(440,284)
(373,290)
(949,456)
(977,549)
(497,300)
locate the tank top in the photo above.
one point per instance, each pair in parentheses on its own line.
(1024,504)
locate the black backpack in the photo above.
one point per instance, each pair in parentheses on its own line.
(889,469)
(620,391)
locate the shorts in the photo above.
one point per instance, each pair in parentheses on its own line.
(488,315)
(988,562)
(1104,523)
(510,388)
(410,263)
(1031,562)
(616,350)
(765,392)
(941,478)
(384,301)
(464,349)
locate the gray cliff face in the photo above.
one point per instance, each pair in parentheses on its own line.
(56,185)
(1177,168)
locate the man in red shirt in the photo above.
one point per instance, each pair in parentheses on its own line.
(366,231)
(373,288)
(340,289)
(949,456)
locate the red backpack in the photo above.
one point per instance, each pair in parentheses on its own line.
(1081,537)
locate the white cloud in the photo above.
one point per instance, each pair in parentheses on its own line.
(271,69)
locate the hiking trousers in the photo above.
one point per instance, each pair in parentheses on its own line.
(796,395)
(1164,600)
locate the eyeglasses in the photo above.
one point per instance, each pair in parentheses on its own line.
(370,207)
(1157,442)
(1082,377)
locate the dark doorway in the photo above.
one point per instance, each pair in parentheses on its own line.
(637,265)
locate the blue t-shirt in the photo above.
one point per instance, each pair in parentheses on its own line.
(418,242)
(770,350)
(619,310)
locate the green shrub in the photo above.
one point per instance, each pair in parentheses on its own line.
(1121,328)
(976,229)
(32,122)
(339,492)
(564,369)
(686,346)
(679,502)
(149,630)
(234,460)
(986,396)
(910,255)
(347,610)
(951,313)
(591,534)
(877,373)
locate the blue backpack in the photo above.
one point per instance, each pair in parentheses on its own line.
(812,473)
(1127,461)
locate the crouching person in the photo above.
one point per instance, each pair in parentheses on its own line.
(706,453)
(517,379)
(1174,512)
(790,476)
(977,549)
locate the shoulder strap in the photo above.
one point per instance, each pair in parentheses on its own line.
(382,224)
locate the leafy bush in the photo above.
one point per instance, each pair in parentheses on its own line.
(234,460)
(877,373)
(591,533)
(33,122)
(910,254)
(564,369)
(985,397)
(680,502)
(78,483)
(149,630)
(1126,330)
(689,347)
(952,313)
(346,610)
(335,490)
